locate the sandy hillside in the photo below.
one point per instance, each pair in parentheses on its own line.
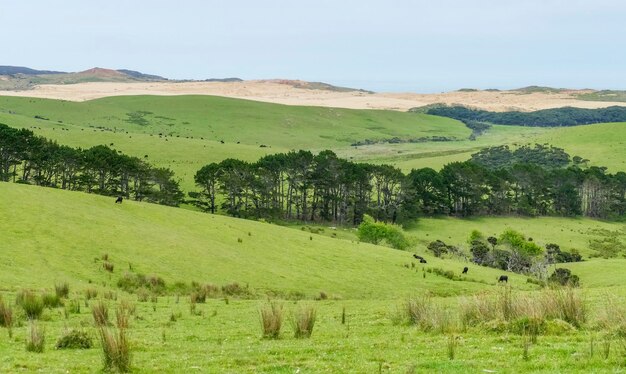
(290,93)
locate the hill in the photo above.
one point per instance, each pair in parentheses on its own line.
(11,70)
(55,235)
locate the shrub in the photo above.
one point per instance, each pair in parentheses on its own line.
(32,304)
(374,232)
(303,321)
(62,290)
(35,342)
(564,277)
(74,339)
(271,320)
(51,300)
(438,248)
(100,312)
(115,350)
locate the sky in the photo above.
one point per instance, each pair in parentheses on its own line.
(392,45)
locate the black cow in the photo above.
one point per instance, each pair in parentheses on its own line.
(119,200)
(417,257)
(465,269)
(503,278)
(423,261)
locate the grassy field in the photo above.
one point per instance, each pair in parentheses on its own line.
(192,128)
(51,236)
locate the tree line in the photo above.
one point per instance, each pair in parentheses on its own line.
(31,159)
(324,188)
(556,117)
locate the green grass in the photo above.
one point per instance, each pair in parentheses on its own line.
(60,235)
(210,120)
(53,235)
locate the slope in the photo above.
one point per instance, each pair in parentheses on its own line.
(51,235)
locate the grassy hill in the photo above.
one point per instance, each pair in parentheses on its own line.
(56,235)
(50,236)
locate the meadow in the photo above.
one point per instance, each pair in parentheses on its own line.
(360,292)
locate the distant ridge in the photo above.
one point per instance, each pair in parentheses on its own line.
(11,70)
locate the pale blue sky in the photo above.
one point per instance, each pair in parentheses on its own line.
(393,45)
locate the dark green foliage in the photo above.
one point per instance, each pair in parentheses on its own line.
(566,116)
(27,158)
(555,255)
(499,157)
(480,252)
(529,181)
(74,339)
(564,277)
(440,248)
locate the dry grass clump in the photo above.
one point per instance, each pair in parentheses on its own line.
(100,312)
(36,339)
(115,350)
(62,290)
(271,320)
(303,321)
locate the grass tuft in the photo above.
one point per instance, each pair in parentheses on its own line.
(36,339)
(271,320)
(303,321)
(32,304)
(100,313)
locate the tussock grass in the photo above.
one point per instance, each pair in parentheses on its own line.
(271,320)
(303,321)
(32,304)
(62,290)
(115,350)
(91,293)
(36,339)
(51,300)
(6,316)
(100,313)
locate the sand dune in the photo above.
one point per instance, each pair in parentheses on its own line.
(284,92)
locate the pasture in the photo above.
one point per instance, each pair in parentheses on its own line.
(359,292)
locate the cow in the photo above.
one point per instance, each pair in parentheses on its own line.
(417,257)
(119,200)
(503,278)
(423,261)
(465,269)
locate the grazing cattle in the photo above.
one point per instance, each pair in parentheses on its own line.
(465,269)
(221,141)
(503,278)
(119,200)
(423,261)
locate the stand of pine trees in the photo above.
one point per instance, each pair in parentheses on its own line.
(324,188)
(31,159)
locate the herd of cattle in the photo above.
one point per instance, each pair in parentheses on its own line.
(502,278)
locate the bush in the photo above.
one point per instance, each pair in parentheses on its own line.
(36,340)
(303,321)
(74,339)
(32,304)
(374,232)
(271,320)
(564,277)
